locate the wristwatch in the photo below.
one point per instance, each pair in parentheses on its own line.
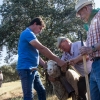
(94,49)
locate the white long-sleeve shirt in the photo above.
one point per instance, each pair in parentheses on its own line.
(79,67)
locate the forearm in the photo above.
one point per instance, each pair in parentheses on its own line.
(46,52)
(41,62)
(78,59)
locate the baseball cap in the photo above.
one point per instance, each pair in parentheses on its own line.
(59,40)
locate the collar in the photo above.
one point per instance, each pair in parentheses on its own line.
(93,13)
(72,50)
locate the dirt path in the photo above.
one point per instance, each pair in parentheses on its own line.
(10,90)
(13,90)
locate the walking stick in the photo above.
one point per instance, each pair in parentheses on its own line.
(85,68)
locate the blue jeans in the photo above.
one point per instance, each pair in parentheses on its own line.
(95,80)
(30,80)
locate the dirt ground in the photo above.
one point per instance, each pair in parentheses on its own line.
(10,90)
(13,90)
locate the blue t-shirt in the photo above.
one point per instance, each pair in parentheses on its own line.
(28,56)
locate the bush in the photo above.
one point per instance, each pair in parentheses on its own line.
(9,72)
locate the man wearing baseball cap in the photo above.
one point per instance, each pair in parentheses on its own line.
(71,53)
(84,10)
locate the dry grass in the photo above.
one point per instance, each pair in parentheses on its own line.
(12,90)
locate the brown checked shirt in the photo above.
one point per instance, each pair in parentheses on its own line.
(93,34)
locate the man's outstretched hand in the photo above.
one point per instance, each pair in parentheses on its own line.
(64,67)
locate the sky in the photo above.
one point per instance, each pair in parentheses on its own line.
(97,3)
(1,2)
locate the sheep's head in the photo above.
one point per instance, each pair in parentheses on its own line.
(52,69)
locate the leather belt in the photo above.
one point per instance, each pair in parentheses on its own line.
(96,58)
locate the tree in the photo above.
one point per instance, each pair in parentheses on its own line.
(59,16)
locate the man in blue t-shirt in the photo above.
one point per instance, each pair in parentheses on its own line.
(29,59)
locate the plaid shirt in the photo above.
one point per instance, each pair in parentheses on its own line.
(93,34)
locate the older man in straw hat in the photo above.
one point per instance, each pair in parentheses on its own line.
(84,10)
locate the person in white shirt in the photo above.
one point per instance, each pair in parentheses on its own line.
(1,78)
(72,54)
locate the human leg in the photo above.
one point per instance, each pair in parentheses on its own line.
(95,81)
(82,88)
(27,77)
(38,86)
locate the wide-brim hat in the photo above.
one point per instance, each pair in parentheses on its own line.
(59,40)
(81,3)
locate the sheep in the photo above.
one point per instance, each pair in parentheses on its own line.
(1,78)
(71,76)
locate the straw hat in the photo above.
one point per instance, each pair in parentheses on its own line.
(81,3)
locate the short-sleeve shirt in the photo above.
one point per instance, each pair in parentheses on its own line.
(79,67)
(93,34)
(28,56)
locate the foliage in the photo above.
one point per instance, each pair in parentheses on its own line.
(9,73)
(59,16)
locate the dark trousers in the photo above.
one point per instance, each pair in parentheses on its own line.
(82,88)
(30,80)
